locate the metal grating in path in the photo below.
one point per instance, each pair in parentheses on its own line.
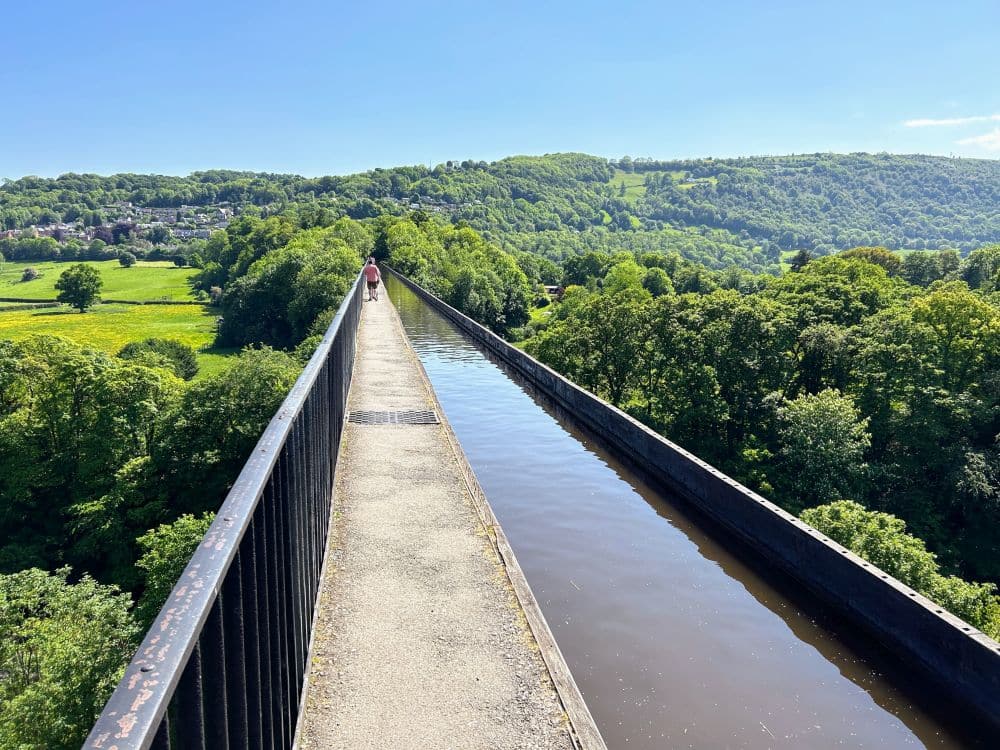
(393,417)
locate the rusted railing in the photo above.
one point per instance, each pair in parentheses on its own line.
(224,662)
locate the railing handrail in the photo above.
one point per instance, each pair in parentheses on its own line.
(139,702)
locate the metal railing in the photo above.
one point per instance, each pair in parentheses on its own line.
(224,662)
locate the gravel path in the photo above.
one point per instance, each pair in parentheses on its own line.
(420,641)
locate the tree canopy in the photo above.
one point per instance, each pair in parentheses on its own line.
(837,380)
(63,647)
(79,286)
(719,212)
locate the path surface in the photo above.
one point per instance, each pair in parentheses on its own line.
(420,641)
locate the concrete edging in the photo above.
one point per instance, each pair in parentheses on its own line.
(958,659)
(327,557)
(583,729)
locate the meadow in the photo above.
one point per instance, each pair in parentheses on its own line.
(110,327)
(144,282)
(786,260)
(635,183)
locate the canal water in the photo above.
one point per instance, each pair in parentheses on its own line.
(674,641)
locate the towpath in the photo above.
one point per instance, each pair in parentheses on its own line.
(420,640)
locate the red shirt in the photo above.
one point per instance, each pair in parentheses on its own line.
(371,272)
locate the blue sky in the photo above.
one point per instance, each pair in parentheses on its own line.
(337,87)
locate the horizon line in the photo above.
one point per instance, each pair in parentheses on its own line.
(639,159)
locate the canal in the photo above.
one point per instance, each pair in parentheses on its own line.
(674,641)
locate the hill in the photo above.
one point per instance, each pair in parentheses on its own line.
(830,201)
(719,212)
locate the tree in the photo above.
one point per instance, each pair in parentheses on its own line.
(98,250)
(745,341)
(166,551)
(600,344)
(63,648)
(835,290)
(281,294)
(79,286)
(179,357)
(881,539)
(121,232)
(71,250)
(70,419)
(581,268)
(966,332)
(159,235)
(203,442)
(657,282)
(624,275)
(356,235)
(127,260)
(981,270)
(921,268)
(822,440)
(880,256)
(822,355)
(800,260)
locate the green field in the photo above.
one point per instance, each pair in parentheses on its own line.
(635,183)
(143,282)
(684,182)
(110,327)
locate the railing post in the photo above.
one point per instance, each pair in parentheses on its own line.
(236,654)
(213,657)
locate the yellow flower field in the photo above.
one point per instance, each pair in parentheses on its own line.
(110,327)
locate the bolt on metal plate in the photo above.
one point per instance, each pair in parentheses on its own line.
(393,417)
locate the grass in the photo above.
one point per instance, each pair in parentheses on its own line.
(635,186)
(786,256)
(143,282)
(684,182)
(541,314)
(635,183)
(110,327)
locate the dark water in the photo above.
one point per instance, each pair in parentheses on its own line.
(673,641)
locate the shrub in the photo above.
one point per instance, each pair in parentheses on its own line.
(180,357)
(29,274)
(127,260)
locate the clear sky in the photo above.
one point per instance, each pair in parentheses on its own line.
(334,87)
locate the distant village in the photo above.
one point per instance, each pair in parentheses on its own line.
(183,223)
